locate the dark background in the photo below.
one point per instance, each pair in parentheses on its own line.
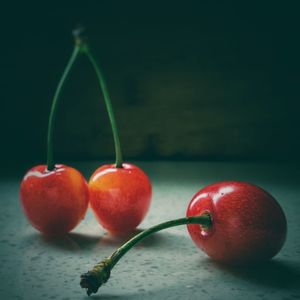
(216,81)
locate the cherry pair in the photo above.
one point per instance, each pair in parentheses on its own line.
(55,197)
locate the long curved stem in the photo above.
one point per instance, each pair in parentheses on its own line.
(93,279)
(53,112)
(204,220)
(102,83)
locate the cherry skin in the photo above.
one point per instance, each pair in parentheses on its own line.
(248,225)
(54,201)
(120,197)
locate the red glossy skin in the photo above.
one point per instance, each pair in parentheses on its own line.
(248,225)
(120,197)
(54,201)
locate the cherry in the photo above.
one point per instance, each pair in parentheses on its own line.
(120,197)
(54,201)
(120,194)
(248,225)
(54,197)
(233,222)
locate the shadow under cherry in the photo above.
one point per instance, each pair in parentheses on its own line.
(273,273)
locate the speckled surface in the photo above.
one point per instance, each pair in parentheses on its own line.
(167,265)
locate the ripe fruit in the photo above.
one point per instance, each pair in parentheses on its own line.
(248,225)
(120,197)
(120,194)
(54,201)
(54,197)
(233,222)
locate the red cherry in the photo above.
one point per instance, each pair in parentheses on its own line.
(233,222)
(248,225)
(54,201)
(120,197)
(120,194)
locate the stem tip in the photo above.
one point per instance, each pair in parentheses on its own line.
(79,36)
(92,280)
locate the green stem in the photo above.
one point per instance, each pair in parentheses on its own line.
(53,112)
(103,86)
(93,279)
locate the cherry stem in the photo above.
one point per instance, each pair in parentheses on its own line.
(86,50)
(53,112)
(100,273)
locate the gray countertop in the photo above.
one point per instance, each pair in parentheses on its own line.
(166,265)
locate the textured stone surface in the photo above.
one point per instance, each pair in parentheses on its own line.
(167,265)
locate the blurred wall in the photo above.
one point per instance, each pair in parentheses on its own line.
(187,81)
